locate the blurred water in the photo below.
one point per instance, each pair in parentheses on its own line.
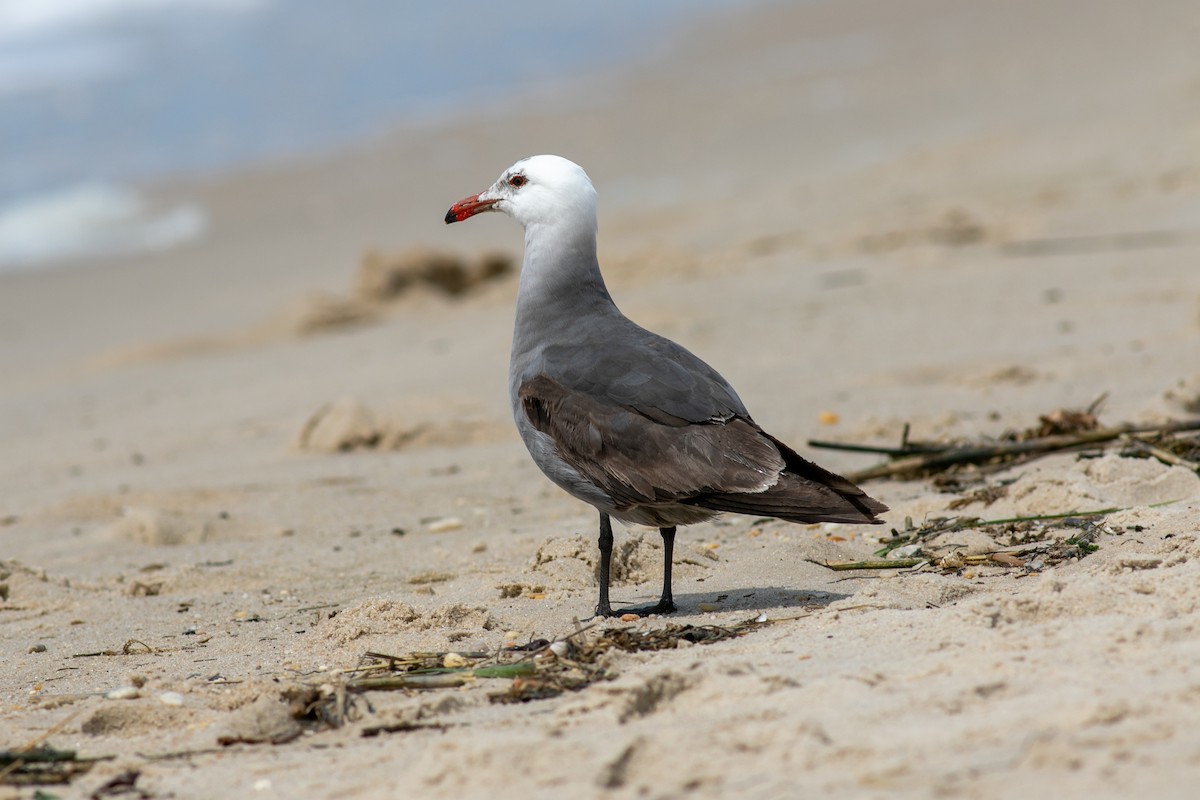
(98,94)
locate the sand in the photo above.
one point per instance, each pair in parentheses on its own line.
(956,215)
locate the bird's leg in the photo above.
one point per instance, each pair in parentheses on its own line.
(666,603)
(603,608)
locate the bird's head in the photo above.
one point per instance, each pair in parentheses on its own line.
(535,190)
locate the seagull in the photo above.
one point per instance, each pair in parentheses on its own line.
(620,417)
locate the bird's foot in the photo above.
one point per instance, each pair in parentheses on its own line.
(661,607)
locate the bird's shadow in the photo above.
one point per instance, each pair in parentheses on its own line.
(748,599)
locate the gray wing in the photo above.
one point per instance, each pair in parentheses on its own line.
(648,422)
(640,370)
(725,465)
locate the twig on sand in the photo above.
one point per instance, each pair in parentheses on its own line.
(440,680)
(908,461)
(1100,243)
(885,563)
(1165,456)
(36,763)
(130,648)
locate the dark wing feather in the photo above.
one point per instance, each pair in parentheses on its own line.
(805,492)
(797,500)
(653,457)
(642,457)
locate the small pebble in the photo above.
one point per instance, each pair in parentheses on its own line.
(123,693)
(454,661)
(560,648)
(708,607)
(445,525)
(629,618)
(38,648)
(171,699)
(907,551)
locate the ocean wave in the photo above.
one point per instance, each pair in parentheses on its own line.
(90,220)
(23,19)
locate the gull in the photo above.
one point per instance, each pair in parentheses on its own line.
(620,417)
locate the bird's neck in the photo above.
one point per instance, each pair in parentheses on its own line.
(560,278)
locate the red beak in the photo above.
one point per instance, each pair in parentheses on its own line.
(468,207)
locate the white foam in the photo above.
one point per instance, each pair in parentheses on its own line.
(90,220)
(21,19)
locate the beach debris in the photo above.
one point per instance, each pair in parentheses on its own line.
(422,578)
(985,495)
(586,662)
(131,647)
(383,276)
(1175,442)
(428,670)
(1025,543)
(888,564)
(123,784)
(538,669)
(43,765)
(518,589)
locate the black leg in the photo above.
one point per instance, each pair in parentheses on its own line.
(603,608)
(666,603)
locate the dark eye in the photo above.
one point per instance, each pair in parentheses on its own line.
(517,181)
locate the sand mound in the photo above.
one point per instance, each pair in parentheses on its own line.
(384,616)
(167,526)
(385,276)
(574,561)
(350,424)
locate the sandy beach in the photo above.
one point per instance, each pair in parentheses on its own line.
(231,470)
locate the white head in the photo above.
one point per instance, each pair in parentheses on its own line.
(535,191)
